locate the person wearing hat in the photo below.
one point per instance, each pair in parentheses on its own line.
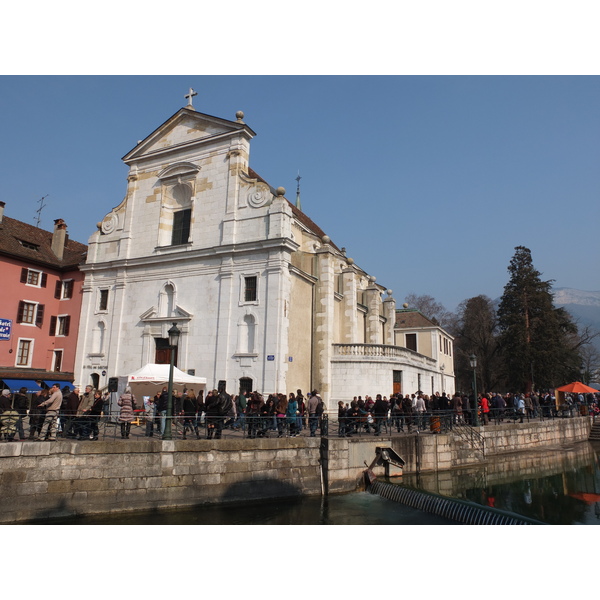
(52,406)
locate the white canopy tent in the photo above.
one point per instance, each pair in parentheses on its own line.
(151,378)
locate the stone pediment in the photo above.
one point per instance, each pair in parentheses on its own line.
(185,127)
(151,315)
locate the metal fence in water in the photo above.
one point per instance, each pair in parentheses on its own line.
(453,509)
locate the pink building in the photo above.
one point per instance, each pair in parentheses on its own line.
(40,302)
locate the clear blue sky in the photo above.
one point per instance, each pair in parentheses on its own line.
(428,181)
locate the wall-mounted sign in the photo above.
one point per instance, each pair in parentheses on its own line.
(290,359)
(271,357)
(5,329)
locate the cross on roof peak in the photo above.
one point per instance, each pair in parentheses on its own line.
(189,97)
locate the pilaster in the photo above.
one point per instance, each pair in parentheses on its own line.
(324,320)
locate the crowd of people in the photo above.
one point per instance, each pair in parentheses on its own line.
(51,412)
(69,414)
(248,411)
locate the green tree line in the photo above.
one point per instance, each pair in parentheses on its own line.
(524,343)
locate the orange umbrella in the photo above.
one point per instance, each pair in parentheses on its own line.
(577,388)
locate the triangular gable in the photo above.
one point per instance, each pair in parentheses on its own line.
(184,127)
(152,314)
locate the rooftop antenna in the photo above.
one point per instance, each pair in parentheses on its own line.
(298,204)
(39,210)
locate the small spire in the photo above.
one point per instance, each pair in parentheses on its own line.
(298,203)
(189,96)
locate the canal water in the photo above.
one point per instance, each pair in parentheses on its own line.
(559,486)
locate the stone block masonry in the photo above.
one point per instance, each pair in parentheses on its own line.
(66,478)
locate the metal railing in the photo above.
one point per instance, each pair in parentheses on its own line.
(258,426)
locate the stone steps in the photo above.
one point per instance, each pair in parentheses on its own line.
(595,432)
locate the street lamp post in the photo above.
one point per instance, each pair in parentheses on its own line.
(442,370)
(473,361)
(174,334)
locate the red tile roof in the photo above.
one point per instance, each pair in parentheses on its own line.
(411,318)
(298,214)
(13,233)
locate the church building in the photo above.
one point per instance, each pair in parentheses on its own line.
(264,299)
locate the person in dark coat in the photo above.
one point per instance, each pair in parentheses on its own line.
(161,409)
(212,413)
(190,408)
(380,410)
(36,414)
(71,404)
(21,404)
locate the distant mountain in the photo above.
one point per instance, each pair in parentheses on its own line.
(583,306)
(565,296)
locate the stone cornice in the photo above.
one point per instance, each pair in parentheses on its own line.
(167,255)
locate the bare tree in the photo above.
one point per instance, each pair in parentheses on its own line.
(431,308)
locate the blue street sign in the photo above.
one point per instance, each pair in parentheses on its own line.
(271,357)
(5,329)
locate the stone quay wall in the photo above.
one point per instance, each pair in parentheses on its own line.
(42,480)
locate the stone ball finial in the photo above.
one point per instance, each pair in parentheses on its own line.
(99,224)
(350,261)
(372,278)
(326,239)
(280,191)
(389,292)
(405,305)
(239,115)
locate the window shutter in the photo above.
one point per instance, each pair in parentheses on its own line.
(52,325)
(20,311)
(57,289)
(67,324)
(39,317)
(69,289)
(23,275)
(44,279)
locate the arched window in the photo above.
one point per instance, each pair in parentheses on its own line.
(247,335)
(95,380)
(166,304)
(245,385)
(251,327)
(98,338)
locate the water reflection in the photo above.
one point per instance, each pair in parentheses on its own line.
(346,509)
(559,486)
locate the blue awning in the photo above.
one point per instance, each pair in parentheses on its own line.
(62,384)
(14,385)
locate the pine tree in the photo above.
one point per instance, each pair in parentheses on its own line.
(534,333)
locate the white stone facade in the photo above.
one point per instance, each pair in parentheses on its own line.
(259,292)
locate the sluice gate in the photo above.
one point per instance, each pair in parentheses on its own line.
(454,509)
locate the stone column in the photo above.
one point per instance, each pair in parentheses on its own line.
(373,301)
(389,312)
